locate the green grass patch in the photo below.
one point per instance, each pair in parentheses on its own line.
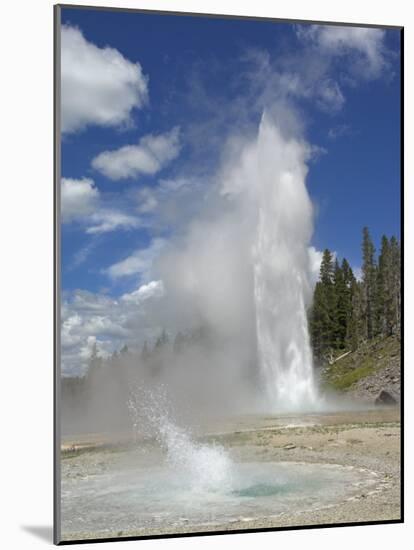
(345,381)
(370,357)
(342,375)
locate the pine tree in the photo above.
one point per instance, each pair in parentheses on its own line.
(94,365)
(368,283)
(145,353)
(317,322)
(162,340)
(124,350)
(179,343)
(322,325)
(327,268)
(350,300)
(384,319)
(341,307)
(356,321)
(395,276)
(346,311)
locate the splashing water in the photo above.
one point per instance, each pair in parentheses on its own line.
(281,272)
(202,467)
(208,467)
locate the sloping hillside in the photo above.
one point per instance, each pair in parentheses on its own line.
(364,373)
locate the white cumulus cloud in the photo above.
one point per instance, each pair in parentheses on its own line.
(315,260)
(99,85)
(90,318)
(144,292)
(357,270)
(140,262)
(149,156)
(105,220)
(82,202)
(79,197)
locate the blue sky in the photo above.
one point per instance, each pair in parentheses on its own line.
(149,103)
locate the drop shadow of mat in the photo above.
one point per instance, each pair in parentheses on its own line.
(43,532)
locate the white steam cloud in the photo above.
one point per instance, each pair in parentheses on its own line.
(244,267)
(241,270)
(366,45)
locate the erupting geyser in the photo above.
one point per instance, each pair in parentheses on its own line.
(281,269)
(201,467)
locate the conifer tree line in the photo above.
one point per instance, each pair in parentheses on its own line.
(347,311)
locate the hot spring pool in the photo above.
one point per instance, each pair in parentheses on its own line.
(163,498)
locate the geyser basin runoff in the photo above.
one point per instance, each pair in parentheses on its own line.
(146,500)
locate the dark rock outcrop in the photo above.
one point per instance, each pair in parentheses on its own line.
(385,398)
